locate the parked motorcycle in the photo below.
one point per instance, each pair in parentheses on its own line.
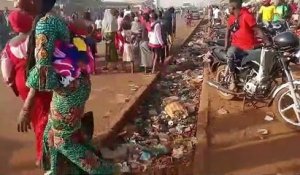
(217,32)
(264,75)
(275,28)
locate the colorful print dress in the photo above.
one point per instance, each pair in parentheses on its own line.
(63,139)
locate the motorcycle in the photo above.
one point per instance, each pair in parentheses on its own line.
(258,77)
(275,28)
(217,32)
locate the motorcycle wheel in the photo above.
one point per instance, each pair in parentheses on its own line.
(284,108)
(219,76)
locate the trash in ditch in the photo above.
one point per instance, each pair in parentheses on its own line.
(164,130)
(124,168)
(191,107)
(122,98)
(176,110)
(268,118)
(262,133)
(145,156)
(190,44)
(152,112)
(223,111)
(200,41)
(178,152)
(118,153)
(134,89)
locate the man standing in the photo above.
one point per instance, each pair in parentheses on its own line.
(174,24)
(170,18)
(98,23)
(127,11)
(210,14)
(164,34)
(6,13)
(216,15)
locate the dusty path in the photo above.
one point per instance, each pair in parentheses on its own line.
(236,147)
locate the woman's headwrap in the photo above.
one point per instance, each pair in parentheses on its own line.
(20,21)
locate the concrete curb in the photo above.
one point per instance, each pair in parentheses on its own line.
(200,156)
(129,110)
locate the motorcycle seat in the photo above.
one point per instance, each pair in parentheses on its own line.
(219,42)
(240,55)
(220,53)
(219,27)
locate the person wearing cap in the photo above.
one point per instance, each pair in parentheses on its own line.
(13,64)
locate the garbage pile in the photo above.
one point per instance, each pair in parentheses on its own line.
(164,132)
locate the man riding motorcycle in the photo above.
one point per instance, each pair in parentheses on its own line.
(240,35)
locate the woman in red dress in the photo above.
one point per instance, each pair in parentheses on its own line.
(13,66)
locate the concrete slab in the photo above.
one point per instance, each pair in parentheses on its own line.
(113,92)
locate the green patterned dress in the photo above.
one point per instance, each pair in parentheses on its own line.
(63,140)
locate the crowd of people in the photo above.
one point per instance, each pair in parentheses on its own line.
(274,12)
(48,62)
(139,38)
(266,11)
(143,37)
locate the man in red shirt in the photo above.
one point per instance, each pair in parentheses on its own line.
(241,31)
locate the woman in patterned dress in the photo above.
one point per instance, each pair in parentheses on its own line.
(63,138)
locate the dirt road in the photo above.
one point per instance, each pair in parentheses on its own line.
(236,147)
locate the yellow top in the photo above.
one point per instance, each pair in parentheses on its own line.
(267,13)
(80,44)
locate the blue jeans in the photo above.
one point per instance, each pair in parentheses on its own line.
(234,53)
